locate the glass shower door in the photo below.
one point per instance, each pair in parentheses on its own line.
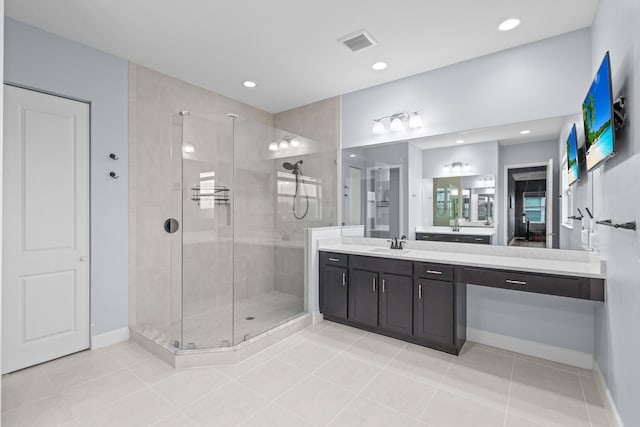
(207,231)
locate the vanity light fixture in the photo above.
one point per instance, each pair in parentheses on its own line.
(273,146)
(187,148)
(509,24)
(249,84)
(456,167)
(415,121)
(378,127)
(398,122)
(286,142)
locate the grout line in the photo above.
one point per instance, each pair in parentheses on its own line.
(584,399)
(373,378)
(436,389)
(506,409)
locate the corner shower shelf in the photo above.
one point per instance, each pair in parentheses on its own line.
(220,194)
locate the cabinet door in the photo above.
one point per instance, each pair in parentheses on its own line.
(396,301)
(363,297)
(433,310)
(334,291)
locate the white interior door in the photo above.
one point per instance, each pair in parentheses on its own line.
(549,204)
(355,196)
(45,282)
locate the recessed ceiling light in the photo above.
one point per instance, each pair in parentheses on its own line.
(352,155)
(378,66)
(460,141)
(509,24)
(525,132)
(248,83)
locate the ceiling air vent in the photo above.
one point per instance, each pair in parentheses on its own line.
(358,40)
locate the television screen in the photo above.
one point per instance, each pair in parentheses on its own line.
(572,156)
(597,114)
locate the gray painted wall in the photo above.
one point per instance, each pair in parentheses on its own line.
(616,193)
(535,81)
(43,61)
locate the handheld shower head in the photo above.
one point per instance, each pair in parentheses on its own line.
(297,172)
(292,167)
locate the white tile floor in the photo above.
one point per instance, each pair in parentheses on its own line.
(327,374)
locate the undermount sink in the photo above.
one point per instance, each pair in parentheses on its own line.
(390,251)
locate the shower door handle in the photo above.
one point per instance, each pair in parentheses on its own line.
(171,225)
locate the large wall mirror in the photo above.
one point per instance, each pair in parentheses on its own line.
(507,187)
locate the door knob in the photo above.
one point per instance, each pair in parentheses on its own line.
(83,258)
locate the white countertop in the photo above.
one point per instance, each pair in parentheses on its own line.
(474,231)
(534,260)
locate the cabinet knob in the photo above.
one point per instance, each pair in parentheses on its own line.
(83,258)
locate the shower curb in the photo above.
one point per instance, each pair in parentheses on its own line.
(224,355)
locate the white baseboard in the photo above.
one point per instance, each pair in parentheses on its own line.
(532,348)
(109,338)
(605,394)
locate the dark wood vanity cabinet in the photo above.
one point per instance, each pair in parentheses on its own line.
(379,293)
(334,284)
(392,297)
(421,302)
(363,297)
(433,310)
(335,291)
(396,298)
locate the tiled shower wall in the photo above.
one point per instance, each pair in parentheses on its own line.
(320,122)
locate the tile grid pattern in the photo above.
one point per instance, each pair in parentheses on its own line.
(327,374)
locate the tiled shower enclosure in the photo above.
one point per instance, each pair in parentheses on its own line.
(219,250)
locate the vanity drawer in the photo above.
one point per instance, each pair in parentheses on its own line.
(332,258)
(482,240)
(429,236)
(454,238)
(528,282)
(383,265)
(433,271)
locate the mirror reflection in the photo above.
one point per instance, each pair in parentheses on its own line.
(490,189)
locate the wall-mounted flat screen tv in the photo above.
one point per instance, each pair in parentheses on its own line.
(572,156)
(597,114)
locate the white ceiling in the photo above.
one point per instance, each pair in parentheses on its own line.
(289,47)
(540,130)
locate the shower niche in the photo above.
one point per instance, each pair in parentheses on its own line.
(230,268)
